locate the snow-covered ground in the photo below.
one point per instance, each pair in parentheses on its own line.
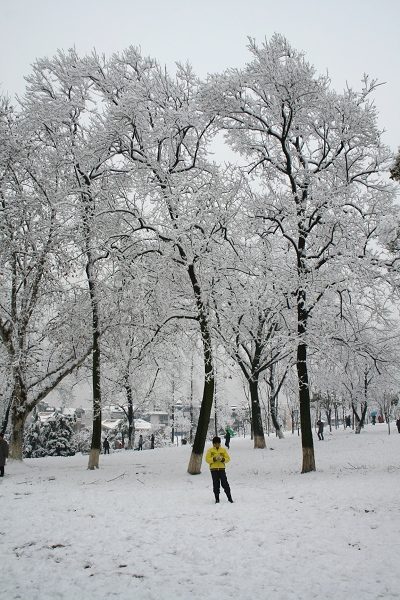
(141,527)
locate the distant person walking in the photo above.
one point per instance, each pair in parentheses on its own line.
(152,441)
(398,425)
(320,429)
(227,438)
(348,421)
(106,446)
(140,442)
(217,458)
(3,454)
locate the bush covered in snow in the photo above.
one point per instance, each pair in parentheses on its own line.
(51,438)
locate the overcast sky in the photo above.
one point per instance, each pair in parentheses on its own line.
(347,38)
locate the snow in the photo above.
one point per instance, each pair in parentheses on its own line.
(141,527)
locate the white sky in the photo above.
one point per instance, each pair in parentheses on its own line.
(346,37)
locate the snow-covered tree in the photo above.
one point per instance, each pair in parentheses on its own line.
(59,435)
(63,107)
(54,437)
(154,123)
(318,156)
(34,440)
(36,301)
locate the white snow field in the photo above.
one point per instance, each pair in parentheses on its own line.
(141,528)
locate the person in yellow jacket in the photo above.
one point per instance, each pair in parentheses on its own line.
(217,458)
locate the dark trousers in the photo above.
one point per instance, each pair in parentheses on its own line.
(1,471)
(219,478)
(106,450)
(320,435)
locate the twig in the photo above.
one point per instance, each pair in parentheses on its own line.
(122,475)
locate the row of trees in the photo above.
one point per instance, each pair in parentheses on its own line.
(124,239)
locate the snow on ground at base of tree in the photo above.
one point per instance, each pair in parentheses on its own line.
(141,527)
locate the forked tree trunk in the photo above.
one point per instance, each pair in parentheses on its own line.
(360,421)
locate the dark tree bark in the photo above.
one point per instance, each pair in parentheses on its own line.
(129,414)
(7,414)
(18,418)
(196,457)
(360,420)
(256,416)
(96,434)
(273,399)
(305,415)
(88,215)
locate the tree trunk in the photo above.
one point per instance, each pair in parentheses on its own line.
(195,461)
(258,431)
(96,433)
(329,418)
(275,422)
(196,457)
(17,435)
(360,421)
(7,414)
(305,417)
(19,413)
(94,459)
(194,467)
(273,401)
(128,390)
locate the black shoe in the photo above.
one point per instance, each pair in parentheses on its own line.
(216,499)
(229,498)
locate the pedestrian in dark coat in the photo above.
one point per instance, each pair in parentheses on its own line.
(152,441)
(227,438)
(3,454)
(140,442)
(398,425)
(106,446)
(320,429)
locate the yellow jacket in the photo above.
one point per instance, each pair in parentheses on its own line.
(220,454)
